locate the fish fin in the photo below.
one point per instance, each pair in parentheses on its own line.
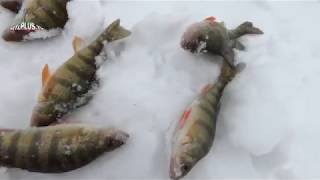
(114,32)
(238,45)
(184,117)
(240,67)
(45,75)
(244,29)
(210,18)
(248,28)
(77,43)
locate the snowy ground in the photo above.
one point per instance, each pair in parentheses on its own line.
(268,126)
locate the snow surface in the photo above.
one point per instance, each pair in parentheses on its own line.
(268,126)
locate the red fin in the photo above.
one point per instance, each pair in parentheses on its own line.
(210,18)
(184,117)
(45,74)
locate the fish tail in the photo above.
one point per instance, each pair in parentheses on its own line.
(113,32)
(228,72)
(244,29)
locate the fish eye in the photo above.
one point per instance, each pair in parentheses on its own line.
(185,168)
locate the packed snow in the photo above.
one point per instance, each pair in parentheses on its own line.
(267,127)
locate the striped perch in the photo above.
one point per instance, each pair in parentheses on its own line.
(56,149)
(195,131)
(48,14)
(67,89)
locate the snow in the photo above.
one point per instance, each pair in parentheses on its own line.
(268,126)
(43,34)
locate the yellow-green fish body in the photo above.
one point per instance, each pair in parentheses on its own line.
(48,14)
(57,149)
(195,131)
(67,89)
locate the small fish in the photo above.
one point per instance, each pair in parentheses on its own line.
(12,5)
(47,14)
(57,149)
(211,36)
(196,128)
(67,88)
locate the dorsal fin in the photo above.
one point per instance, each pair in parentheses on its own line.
(210,18)
(77,43)
(45,74)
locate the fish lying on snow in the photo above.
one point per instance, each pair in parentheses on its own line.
(67,89)
(211,36)
(56,149)
(35,16)
(195,130)
(194,134)
(12,5)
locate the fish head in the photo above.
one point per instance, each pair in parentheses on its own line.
(13,35)
(195,36)
(191,38)
(114,138)
(183,159)
(44,114)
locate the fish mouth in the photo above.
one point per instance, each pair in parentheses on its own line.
(39,119)
(173,173)
(115,139)
(192,45)
(121,136)
(17,36)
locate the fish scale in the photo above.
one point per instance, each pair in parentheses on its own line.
(56,149)
(12,148)
(43,148)
(33,152)
(23,150)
